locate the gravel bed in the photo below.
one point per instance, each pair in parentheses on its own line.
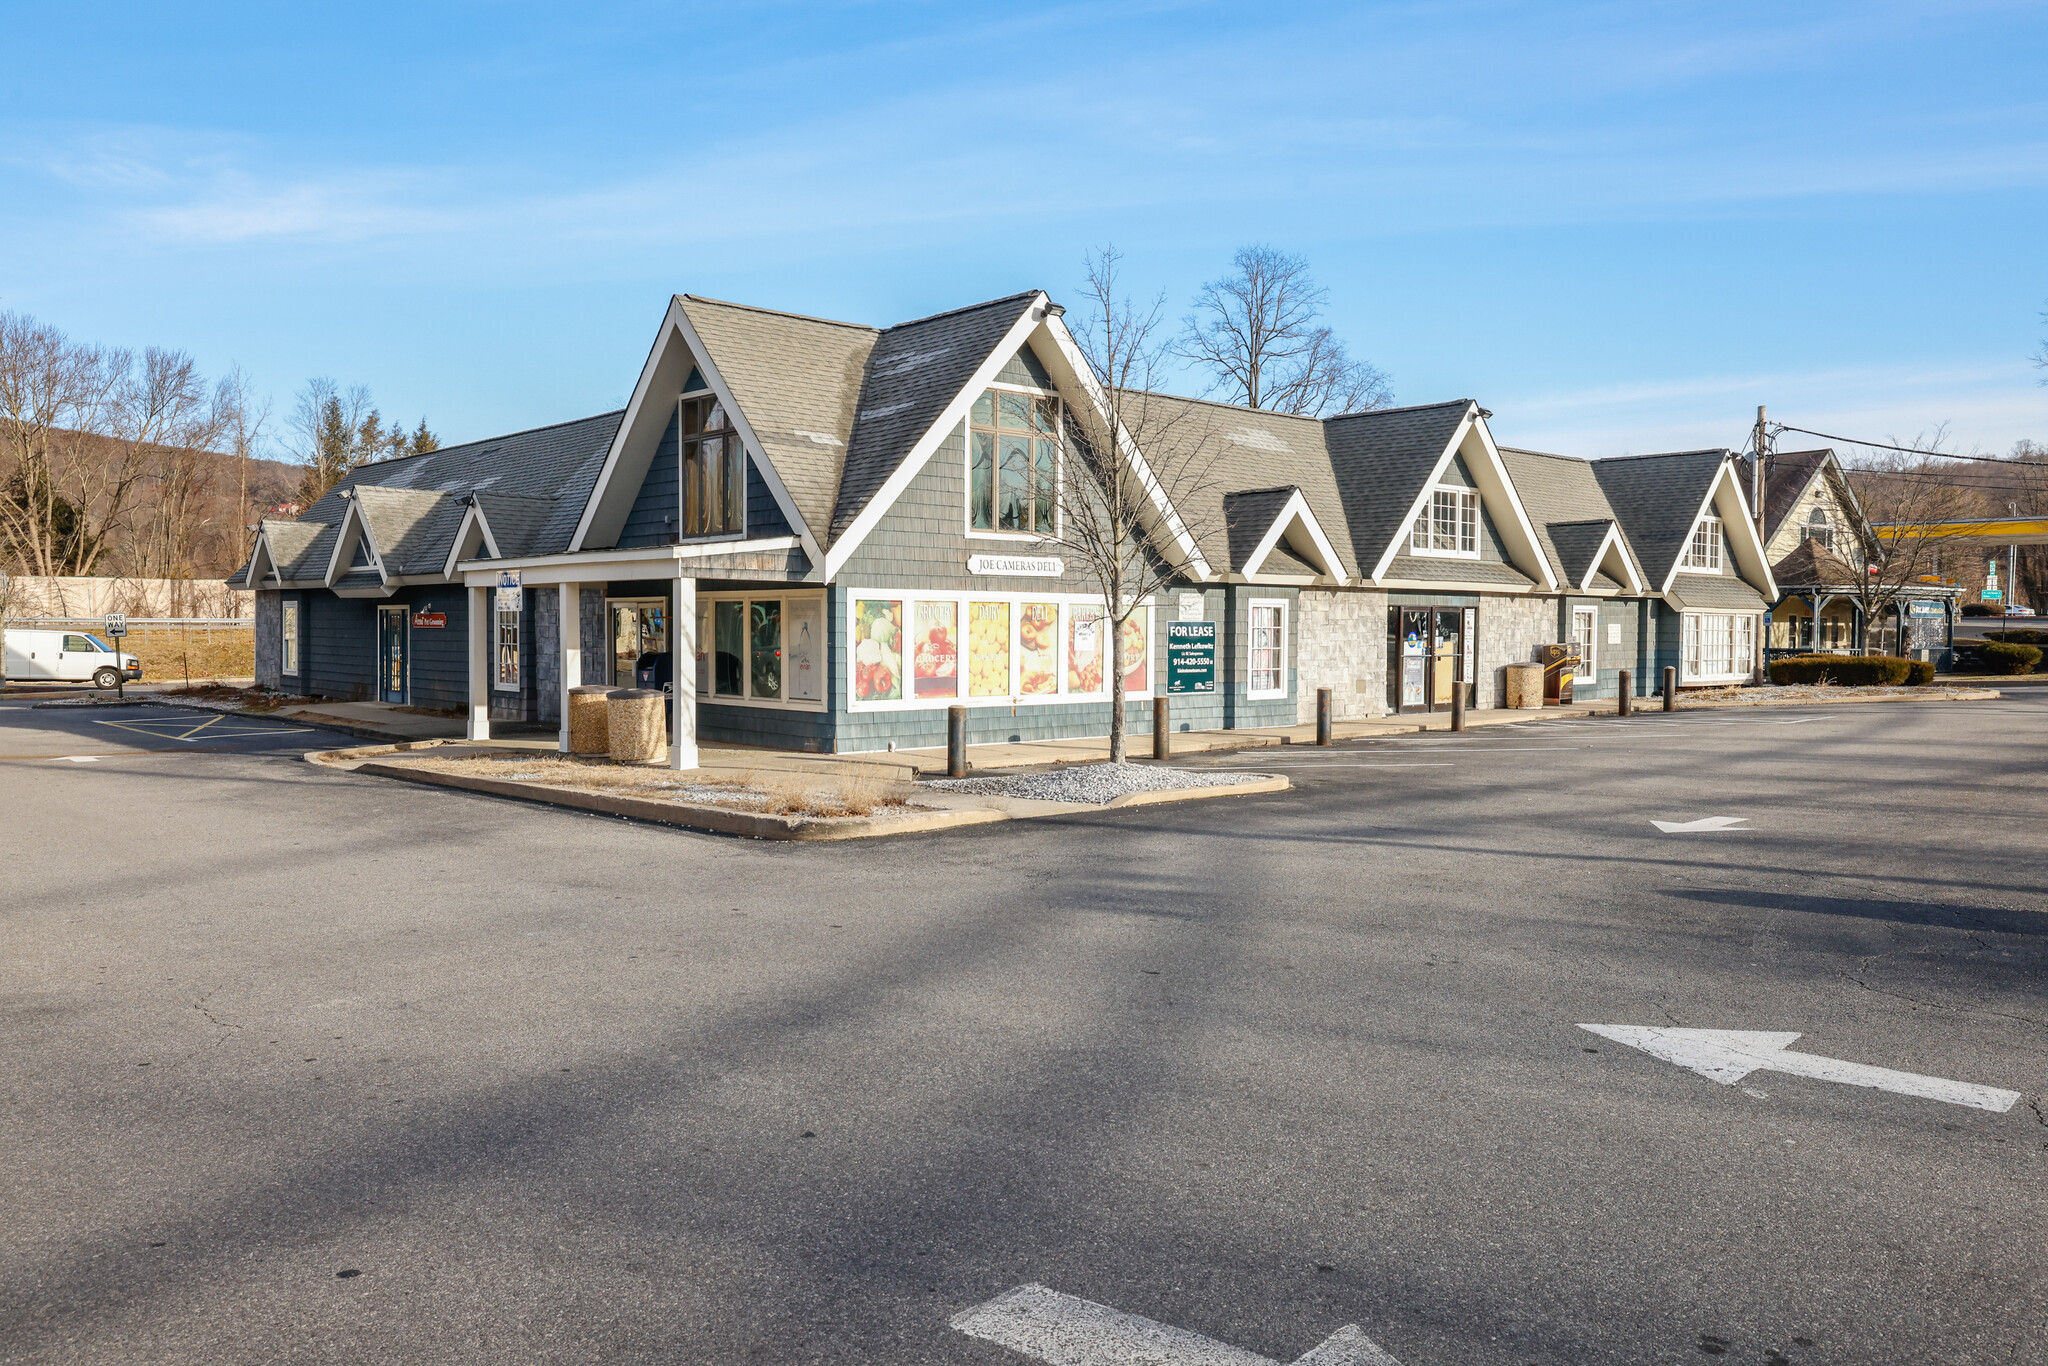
(1097,783)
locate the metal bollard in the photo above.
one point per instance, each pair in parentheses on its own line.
(1670,688)
(1162,730)
(1628,698)
(956,742)
(1323,716)
(1458,707)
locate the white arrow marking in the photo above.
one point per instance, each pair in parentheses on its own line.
(1062,1330)
(1705,823)
(1729,1055)
(76,759)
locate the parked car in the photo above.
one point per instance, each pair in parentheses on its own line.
(66,657)
(2019,611)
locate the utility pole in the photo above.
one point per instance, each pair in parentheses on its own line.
(1757,442)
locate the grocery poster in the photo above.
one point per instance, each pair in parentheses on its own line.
(988,649)
(877,649)
(1084,649)
(1038,648)
(1135,658)
(938,648)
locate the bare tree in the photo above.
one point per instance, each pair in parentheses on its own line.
(1255,334)
(1136,460)
(1921,509)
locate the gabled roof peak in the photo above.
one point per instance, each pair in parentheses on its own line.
(774,312)
(1404,408)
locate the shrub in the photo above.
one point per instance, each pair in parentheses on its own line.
(1847,671)
(1979,609)
(2022,635)
(1920,674)
(2001,658)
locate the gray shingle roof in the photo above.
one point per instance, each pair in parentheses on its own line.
(549,471)
(1655,497)
(914,370)
(1431,569)
(359,578)
(1281,560)
(797,381)
(517,521)
(1573,546)
(1248,516)
(1562,490)
(1722,592)
(1381,461)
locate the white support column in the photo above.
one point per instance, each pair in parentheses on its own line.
(570,633)
(682,646)
(480,625)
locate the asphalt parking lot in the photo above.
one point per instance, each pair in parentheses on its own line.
(306,1066)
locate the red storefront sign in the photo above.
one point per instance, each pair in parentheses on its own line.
(429,621)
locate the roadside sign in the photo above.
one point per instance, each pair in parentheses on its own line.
(1991,595)
(1923,608)
(1190,657)
(511,597)
(429,621)
(117,624)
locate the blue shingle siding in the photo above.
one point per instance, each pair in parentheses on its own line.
(341,646)
(1610,660)
(1025,369)
(764,514)
(654,519)
(439,656)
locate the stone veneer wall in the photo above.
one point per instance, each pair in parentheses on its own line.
(1340,643)
(547,658)
(1510,629)
(269,639)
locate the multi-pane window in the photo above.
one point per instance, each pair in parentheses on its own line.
(761,649)
(1818,528)
(713,466)
(288,637)
(1585,630)
(1448,524)
(1268,652)
(506,615)
(1013,462)
(1704,550)
(1719,645)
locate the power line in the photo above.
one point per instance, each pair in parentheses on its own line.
(1909,450)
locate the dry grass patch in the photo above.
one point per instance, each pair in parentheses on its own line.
(772,792)
(1775,694)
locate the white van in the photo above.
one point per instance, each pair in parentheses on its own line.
(65,656)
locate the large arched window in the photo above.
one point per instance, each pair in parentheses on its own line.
(1821,528)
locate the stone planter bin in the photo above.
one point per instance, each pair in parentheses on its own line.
(634,718)
(588,733)
(1524,686)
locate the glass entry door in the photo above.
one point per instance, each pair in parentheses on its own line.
(394,630)
(638,626)
(1434,656)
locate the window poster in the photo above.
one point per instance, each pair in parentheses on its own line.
(937,654)
(988,649)
(877,649)
(1038,648)
(1084,649)
(805,637)
(1136,659)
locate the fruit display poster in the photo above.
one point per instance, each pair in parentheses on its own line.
(937,655)
(877,649)
(1038,648)
(988,649)
(1084,650)
(1135,659)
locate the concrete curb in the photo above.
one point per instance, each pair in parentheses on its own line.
(750,824)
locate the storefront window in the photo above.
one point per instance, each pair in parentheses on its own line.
(1268,673)
(804,671)
(988,649)
(1135,660)
(1084,649)
(877,649)
(766,651)
(728,645)
(936,654)
(1038,648)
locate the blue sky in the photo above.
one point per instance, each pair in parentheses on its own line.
(1620,226)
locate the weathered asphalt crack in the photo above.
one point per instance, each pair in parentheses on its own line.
(1863,966)
(227,1027)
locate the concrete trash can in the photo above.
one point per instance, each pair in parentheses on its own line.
(588,733)
(634,718)
(1525,686)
